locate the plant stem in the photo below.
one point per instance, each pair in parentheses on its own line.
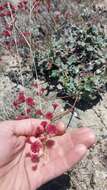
(72,113)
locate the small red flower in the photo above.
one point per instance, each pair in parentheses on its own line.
(1,8)
(14,8)
(55,105)
(34,158)
(9,27)
(40,130)
(15,104)
(30,101)
(44,123)
(34,168)
(36,5)
(9,4)
(28,110)
(6,33)
(2,15)
(36,146)
(49,115)
(22,5)
(39,112)
(51,130)
(7,13)
(50,143)
(21,97)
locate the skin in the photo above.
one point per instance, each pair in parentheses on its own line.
(16,169)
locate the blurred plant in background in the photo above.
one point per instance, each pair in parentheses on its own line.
(63,44)
(77,60)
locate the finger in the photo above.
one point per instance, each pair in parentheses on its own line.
(26,127)
(60,128)
(84,136)
(70,158)
(61,164)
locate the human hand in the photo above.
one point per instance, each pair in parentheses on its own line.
(16,169)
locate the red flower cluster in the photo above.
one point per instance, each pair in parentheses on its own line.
(30,101)
(49,115)
(42,140)
(7,5)
(47,129)
(39,112)
(55,105)
(7,33)
(22,99)
(7,10)
(36,146)
(31,111)
(36,5)
(4,9)
(22,5)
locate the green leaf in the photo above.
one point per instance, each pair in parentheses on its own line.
(54,74)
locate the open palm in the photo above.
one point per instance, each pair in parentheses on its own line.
(16,168)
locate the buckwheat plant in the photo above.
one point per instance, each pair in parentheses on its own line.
(24,28)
